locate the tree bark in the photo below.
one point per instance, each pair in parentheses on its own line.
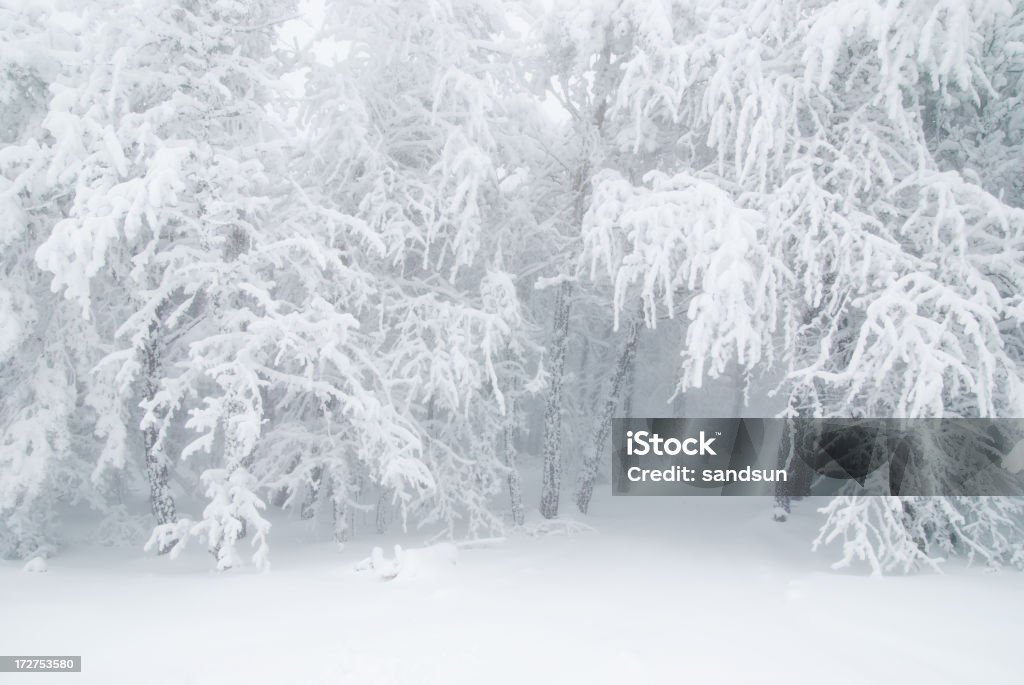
(629,386)
(515,485)
(551,485)
(381,517)
(799,474)
(786,451)
(157,472)
(591,465)
(344,487)
(552,482)
(307,509)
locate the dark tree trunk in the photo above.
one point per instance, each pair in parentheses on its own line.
(782,500)
(799,474)
(604,421)
(157,472)
(629,385)
(552,482)
(381,518)
(515,486)
(307,510)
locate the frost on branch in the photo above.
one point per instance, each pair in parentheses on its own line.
(684,238)
(233,511)
(906,533)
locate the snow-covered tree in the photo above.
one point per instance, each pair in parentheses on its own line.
(907,533)
(160,137)
(792,188)
(406,131)
(365,279)
(47,416)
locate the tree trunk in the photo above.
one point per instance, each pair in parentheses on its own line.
(551,485)
(344,488)
(799,474)
(739,403)
(515,486)
(591,465)
(307,510)
(157,473)
(552,482)
(786,452)
(629,386)
(381,518)
(620,481)
(341,515)
(515,482)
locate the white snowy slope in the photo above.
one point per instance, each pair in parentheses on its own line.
(667,590)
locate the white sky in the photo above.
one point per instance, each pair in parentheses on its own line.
(311,18)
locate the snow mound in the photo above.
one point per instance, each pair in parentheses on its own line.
(564,527)
(35,565)
(411,563)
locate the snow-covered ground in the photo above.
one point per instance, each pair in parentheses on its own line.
(666,590)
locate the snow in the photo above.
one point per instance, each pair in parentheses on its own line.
(410,564)
(35,565)
(701,590)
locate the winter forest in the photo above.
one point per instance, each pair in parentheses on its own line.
(279,278)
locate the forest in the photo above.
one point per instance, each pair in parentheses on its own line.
(383,266)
